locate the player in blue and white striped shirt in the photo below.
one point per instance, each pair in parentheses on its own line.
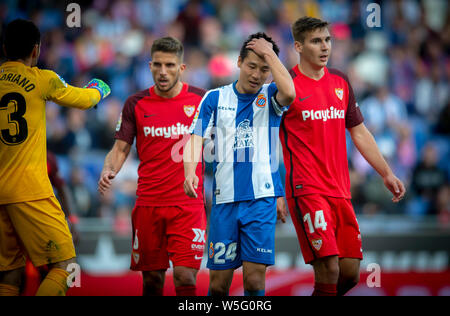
(243,119)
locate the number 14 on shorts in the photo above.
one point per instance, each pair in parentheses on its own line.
(319,221)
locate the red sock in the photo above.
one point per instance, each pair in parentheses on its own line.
(186,290)
(321,289)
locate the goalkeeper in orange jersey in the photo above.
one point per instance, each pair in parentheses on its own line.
(31,220)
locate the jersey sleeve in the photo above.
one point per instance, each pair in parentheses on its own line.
(203,121)
(353,115)
(126,129)
(57,90)
(272,92)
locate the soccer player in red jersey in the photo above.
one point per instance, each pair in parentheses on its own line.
(314,149)
(167,224)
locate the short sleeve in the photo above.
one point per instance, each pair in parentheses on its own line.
(203,121)
(353,116)
(272,93)
(126,126)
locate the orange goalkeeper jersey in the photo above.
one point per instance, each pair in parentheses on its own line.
(23,146)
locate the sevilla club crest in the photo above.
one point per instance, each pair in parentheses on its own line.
(339,92)
(317,243)
(189,110)
(136,257)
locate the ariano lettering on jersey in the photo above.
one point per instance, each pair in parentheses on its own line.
(244,129)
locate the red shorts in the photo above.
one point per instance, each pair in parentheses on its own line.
(325,226)
(160,234)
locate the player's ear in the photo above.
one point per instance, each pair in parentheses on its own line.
(239,62)
(35,54)
(298,47)
(183,67)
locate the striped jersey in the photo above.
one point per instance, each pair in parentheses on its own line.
(243,129)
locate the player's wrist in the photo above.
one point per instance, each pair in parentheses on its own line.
(99,91)
(387,173)
(190,175)
(107,170)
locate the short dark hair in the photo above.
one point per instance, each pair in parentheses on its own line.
(168,45)
(306,24)
(19,38)
(244,50)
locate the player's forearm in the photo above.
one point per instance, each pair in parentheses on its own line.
(192,154)
(80,98)
(115,159)
(366,145)
(283,80)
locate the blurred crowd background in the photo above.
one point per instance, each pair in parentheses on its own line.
(399,71)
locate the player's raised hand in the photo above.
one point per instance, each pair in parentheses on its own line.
(105,181)
(99,85)
(190,185)
(395,185)
(282,212)
(261,47)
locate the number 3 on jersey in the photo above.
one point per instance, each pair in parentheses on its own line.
(13,126)
(319,221)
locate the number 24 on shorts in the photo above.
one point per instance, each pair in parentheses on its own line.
(221,248)
(319,221)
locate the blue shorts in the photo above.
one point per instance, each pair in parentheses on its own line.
(242,231)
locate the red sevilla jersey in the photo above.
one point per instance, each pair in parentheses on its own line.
(161,128)
(313,135)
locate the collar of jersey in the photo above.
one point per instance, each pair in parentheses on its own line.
(299,73)
(13,62)
(153,93)
(244,95)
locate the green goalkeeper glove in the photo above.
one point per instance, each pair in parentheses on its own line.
(101,86)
